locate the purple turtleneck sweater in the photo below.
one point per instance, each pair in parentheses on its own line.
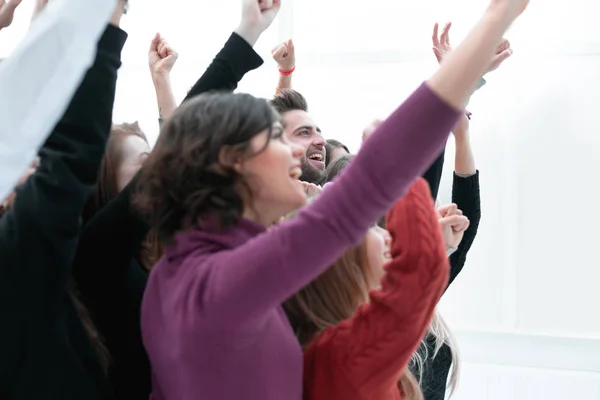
(211,317)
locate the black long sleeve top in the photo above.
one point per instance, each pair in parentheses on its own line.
(465,194)
(46,353)
(109,276)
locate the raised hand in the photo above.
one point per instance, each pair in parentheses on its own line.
(285,56)
(442,47)
(7,12)
(161,57)
(368,131)
(311,189)
(453,224)
(257,16)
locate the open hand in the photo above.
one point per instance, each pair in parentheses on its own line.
(161,56)
(442,47)
(453,224)
(257,16)
(7,12)
(285,56)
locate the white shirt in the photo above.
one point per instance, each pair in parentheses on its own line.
(41,76)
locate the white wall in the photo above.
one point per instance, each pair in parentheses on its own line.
(525,307)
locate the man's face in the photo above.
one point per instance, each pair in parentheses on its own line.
(302,130)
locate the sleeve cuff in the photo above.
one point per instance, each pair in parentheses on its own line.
(240,50)
(113,39)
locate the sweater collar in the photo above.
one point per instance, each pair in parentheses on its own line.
(213,240)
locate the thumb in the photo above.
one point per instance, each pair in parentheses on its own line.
(290,45)
(280,51)
(154,43)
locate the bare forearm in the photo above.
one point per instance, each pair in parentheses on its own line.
(165,98)
(285,82)
(464,161)
(459,74)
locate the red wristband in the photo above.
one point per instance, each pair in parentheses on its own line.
(291,71)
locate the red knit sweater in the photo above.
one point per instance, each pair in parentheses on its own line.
(364,357)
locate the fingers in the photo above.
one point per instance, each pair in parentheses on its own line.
(505,44)
(155,42)
(290,45)
(445,38)
(448,209)
(457,222)
(462,226)
(500,58)
(435,38)
(280,52)
(265,4)
(438,54)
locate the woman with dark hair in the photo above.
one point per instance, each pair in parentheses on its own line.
(50,347)
(134,249)
(349,335)
(222,173)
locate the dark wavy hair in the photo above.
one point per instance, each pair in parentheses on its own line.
(190,176)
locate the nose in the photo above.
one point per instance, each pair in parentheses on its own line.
(297,150)
(319,141)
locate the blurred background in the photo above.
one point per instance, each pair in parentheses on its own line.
(525,308)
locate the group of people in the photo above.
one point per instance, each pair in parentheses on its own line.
(244,256)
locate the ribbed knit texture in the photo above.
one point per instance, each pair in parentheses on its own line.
(364,357)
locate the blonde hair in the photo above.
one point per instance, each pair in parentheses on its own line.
(439,330)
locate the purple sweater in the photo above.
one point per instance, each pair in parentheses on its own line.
(211,317)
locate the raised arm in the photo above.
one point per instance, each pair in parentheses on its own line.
(38,236)
(289,256)
(237,56)
(39,78)
(117,225)
(285,57)
(373,348)
(465,194)
(161,59)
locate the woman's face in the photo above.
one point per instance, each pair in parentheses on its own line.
(272,177)
(134,151)
(378,252)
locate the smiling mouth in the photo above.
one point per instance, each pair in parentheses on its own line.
(316,157)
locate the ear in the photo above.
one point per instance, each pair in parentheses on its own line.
(229,158)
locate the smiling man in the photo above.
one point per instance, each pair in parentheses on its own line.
(301,129)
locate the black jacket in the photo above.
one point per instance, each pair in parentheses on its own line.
(45,351)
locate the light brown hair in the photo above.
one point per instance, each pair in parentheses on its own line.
(107,189)
(334,297)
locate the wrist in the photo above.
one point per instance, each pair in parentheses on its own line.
(248,33)
(501,12)
(161,79)
(286,71)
